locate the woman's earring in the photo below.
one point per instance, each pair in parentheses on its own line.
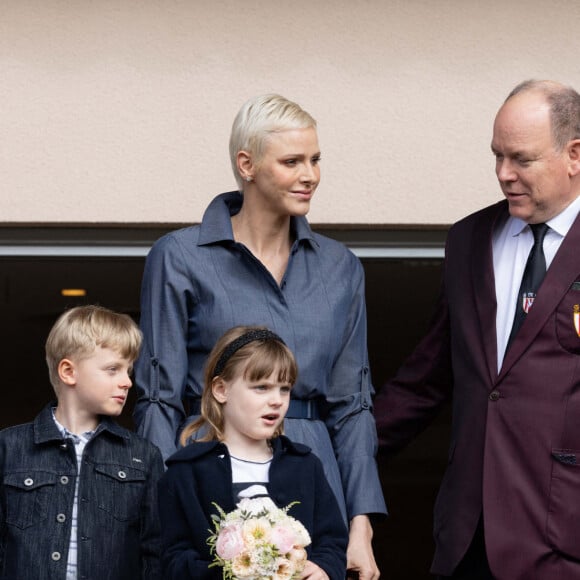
(248,179)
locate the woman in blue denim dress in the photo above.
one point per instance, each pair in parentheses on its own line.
(254,260)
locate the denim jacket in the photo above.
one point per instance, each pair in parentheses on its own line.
(118,525)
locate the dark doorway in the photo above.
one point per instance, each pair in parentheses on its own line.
(31,301)
(400,297)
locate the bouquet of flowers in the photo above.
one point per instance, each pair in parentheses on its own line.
(258,541)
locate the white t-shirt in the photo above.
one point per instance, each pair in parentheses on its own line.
(250,478)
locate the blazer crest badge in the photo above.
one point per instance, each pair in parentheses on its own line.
(527,301)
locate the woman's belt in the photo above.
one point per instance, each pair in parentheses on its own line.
(298,408)
(303,409)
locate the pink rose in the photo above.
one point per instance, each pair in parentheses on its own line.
(283,538)
(230,542)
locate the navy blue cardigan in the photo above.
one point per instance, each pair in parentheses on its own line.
(201,473)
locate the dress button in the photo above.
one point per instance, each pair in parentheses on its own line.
(61,518)
(64,479)
(122,474)
(494,396)
(28,481)
(55,556)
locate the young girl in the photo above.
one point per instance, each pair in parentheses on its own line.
(239,451)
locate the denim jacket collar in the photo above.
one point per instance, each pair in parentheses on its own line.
(45,429)
(216,225)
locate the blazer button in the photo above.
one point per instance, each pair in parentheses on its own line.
(494,396)
(55,556)
(61,518)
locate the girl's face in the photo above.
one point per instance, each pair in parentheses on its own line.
(253,410)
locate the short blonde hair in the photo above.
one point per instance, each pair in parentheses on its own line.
(259,117)
(255,360)
(80,330)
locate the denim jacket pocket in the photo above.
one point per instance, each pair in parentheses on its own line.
(120,490)
(28,494)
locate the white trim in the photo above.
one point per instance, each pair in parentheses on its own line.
(75,251)
(96,251)
(401,252)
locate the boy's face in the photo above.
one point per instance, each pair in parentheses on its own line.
(102,381)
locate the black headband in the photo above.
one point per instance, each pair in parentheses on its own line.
(235,345)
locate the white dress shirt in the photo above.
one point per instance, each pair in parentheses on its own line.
(512,242)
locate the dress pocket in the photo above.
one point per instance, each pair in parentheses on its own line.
(28,494)
(119,490)
(563,526)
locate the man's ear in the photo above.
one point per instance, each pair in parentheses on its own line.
(219,390)
(574,157)
(67,372)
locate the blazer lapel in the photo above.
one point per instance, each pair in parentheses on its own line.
(560,275)
(484,284)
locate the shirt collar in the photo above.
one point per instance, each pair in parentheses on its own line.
(216,225)
(82,437)
(564,220)
(560,223)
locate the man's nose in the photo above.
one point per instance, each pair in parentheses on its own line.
(505,171)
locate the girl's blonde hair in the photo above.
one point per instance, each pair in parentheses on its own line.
(262,354)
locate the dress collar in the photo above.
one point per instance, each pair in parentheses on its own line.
(216,225)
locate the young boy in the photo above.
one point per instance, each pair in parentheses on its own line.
(78,493)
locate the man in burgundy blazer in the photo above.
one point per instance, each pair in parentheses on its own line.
(509,503)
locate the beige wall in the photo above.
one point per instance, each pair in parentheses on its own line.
(119,111)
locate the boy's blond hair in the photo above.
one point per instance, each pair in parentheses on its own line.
(80,330)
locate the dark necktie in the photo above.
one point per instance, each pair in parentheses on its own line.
(533,275)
